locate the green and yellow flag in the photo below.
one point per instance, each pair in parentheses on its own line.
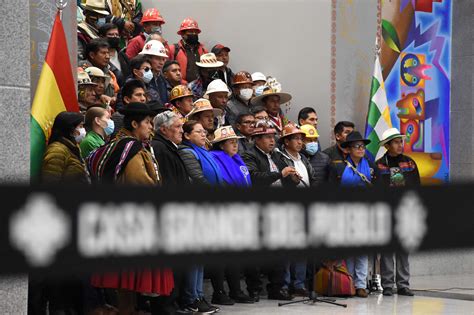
(378,116)
(55,93)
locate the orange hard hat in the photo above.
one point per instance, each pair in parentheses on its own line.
(242,77)
(189,24)
(152,15)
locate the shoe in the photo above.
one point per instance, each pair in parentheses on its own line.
(282,295)
(302,292)
(387,291)
(405,291)
(361,293)
(205,303)
(241,297)
(220,298)
(255,295)
(188,309)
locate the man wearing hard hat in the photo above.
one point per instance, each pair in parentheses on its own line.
(188,50)
(152,22)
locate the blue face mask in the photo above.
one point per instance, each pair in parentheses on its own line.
(100,22)
(312,148)
(110,127)
(259,90)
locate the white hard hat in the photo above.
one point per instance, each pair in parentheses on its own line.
(258,76)
(154,48)
(216,86)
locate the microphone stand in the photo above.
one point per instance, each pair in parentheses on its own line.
(313,298)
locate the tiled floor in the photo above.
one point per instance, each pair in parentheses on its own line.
(379,304)
(374,304)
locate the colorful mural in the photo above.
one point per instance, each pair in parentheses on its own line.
(415,58)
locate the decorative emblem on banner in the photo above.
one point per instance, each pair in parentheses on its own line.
(410,225)
(39,230)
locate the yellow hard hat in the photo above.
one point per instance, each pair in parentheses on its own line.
(309,131)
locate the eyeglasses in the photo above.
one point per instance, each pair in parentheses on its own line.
(146,69)
(203,132)
(358,146)
(247,122)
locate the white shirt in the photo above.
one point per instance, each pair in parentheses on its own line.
(301,169)
(115,61)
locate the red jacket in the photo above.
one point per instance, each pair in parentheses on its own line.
(181,57)
(135,46)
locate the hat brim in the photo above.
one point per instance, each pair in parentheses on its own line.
(189,29)
(216,111)
(224,139)
(210,65)
(347,143)
(148,54)
(128,112)
(102,12)
(293,133)
(385,141)
(206,96)
(87,84)
(258,100)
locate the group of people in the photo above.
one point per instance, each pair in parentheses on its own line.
(159,115)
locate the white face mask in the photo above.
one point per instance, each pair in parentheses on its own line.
(246,94)
(147,76)
(81,135)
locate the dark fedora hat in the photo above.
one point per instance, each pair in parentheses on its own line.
(157,107)
(354,137)
(136,108)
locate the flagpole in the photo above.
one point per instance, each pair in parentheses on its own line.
(60,5)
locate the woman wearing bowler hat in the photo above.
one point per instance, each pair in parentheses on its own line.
(359,171)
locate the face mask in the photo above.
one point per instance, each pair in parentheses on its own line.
(147,76)
(259,90)
(156,29)
(100,22)
(192,39)
(312,148)
(81,135)
(246,94)
(110,127)
(114,42)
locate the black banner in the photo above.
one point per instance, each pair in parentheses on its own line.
(87,228)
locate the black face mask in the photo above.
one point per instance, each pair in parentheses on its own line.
(114,42)
(192,39)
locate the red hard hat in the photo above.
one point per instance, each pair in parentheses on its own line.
(152,15)
(189,24)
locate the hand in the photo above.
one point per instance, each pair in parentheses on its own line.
(289,170)
(129,26)
(295,178)
(107,100)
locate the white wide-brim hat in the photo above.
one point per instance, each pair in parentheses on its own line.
(389,135)
(209,60)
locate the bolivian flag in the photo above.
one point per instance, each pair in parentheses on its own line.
(55,93)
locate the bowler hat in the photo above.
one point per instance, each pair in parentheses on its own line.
(137,108)
(354,137)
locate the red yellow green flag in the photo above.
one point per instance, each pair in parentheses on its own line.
(55,93)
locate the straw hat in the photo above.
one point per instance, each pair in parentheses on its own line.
(224,133)
(202,105)
(269,91)
(209,60)
(389,135)
(97,6)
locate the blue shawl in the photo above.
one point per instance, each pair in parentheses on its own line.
(233,169)
(210,169)
(350,178)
